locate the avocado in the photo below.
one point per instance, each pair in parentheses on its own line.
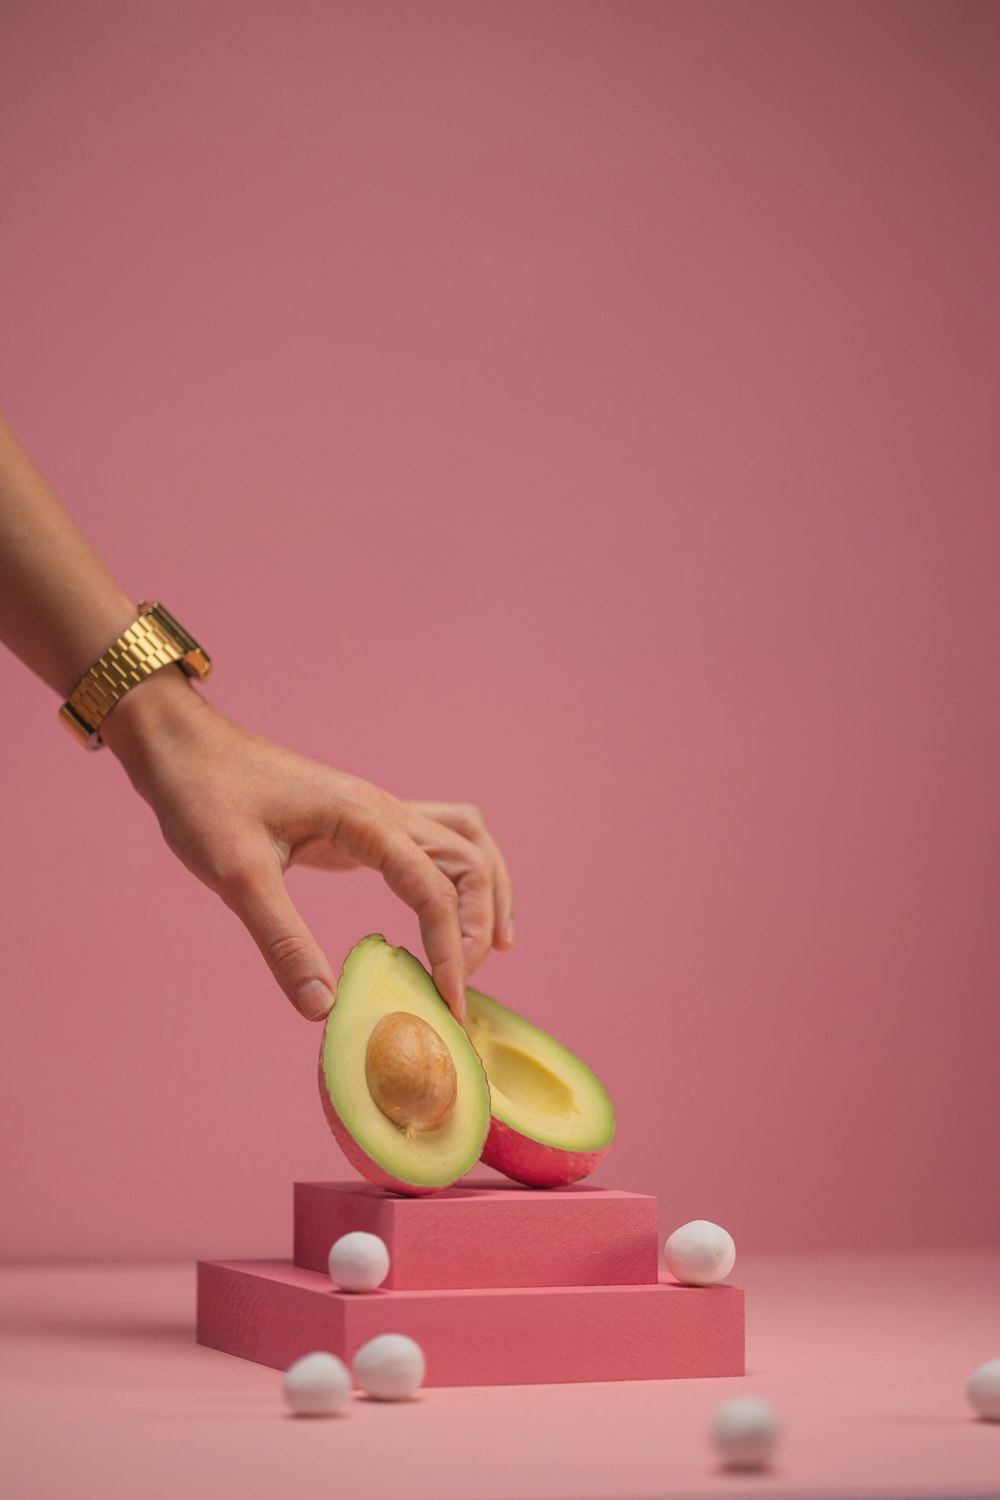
(403,1089)
(552,1119)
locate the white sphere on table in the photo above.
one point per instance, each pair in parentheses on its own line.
(390,1366)
(983,1390)
(745,1431)
(317,1385)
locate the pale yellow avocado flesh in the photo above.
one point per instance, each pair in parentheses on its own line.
(538,1086)
(376,980)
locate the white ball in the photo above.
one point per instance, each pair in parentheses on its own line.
(745,1430)
(700,1253)
(317,1385)
(359,1261)
(391,1366)
(983,1390)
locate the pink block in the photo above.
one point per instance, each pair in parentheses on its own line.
(487,1234)
(273,1312)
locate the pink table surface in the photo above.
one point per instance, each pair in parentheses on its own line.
(105,1393)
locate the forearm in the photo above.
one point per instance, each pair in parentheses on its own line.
(60,607)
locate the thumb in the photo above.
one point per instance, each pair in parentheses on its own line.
(293,955)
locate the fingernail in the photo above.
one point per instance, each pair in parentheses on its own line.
(313,999)
(509,930)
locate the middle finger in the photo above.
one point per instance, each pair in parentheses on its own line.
(472,872)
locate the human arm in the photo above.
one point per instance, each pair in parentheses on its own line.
(235,807)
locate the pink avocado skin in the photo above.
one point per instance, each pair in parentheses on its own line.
(528,1161)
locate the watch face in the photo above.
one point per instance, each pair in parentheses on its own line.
(194,659)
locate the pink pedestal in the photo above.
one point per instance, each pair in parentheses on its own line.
(487,1234)
(274,1311)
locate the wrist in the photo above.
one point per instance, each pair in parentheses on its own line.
(92,627)
(152,715)
(153,641)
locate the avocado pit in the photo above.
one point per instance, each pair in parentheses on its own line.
(410,1072)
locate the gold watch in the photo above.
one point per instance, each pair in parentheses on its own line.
(152,641)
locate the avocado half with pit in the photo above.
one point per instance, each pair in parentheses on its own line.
(404,1090)
(553,1120)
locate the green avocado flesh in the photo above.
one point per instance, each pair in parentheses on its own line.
(376,980)
(538,1086)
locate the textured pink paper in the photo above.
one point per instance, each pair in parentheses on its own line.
(273,1312)
(490,1235)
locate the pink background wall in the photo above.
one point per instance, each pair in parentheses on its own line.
(596,405)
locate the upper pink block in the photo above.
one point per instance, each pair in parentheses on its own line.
(487,1234)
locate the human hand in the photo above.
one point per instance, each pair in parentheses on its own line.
(238,810)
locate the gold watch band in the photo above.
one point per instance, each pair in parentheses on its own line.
(152,641)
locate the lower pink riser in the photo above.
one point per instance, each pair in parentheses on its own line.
(273,1312)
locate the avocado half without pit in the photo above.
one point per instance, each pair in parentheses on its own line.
(552,1119)
(415,1100)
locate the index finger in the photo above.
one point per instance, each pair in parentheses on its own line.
(414,877)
